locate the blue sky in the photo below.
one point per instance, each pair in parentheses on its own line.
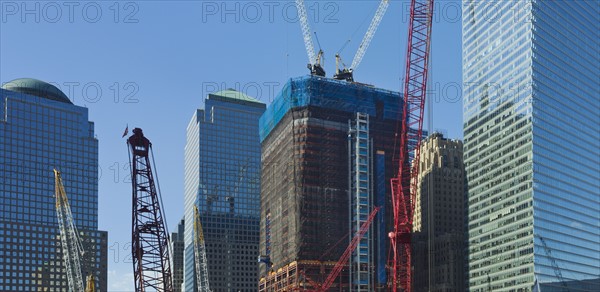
(150,64)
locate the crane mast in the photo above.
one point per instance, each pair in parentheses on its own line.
(404,185)
(314,60)
(69,237)
(200,254)
(150,248)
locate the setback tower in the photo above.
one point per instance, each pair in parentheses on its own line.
(222,177)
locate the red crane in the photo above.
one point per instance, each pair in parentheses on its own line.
(150,253)
(344,258)
(404,185)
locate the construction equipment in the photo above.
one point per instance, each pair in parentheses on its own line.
(200,254)
(69,236)
(150,243)
(348,73)
(345,256)
(90,284)
(404,185)
(314,61)
(555,267)
(70,241)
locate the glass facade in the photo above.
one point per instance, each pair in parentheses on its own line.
(40,131)
(532,144)
(222,176)
(177,249)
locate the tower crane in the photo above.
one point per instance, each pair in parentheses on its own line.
(348,73)
(345,256)
(314,60)
(69,237)
(200,254)
(70,241)
(150,243)
(404,185)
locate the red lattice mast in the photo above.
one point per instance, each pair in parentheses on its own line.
(150,244)
(404,185)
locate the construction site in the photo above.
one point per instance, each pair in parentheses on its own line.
(327,152)
(337,188)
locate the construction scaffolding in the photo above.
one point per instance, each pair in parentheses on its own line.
(305,187)
(299,276)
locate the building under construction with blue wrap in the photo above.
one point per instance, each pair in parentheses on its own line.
(327,159)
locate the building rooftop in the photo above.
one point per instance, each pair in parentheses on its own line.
(36,88)
(231,95)
(333,95)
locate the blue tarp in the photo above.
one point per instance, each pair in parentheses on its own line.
(329,93)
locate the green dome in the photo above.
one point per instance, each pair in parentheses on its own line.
(36,88)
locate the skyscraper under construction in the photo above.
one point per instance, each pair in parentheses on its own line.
(327,158)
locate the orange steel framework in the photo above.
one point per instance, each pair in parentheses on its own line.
(404,185)
(301,276)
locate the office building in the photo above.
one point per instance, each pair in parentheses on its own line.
(41,129)
(177,251)
(532,144)
(439,217)
(327,148)
(222,177)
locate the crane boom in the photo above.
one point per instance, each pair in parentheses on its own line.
(366,41)
(150,243)
(69,237)
(314,60)
(308,42)
(348,73)
(200,254)
(344,258)
(404,185)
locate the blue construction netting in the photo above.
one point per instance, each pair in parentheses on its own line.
(329,93)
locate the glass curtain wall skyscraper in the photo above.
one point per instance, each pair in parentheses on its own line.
(222,177)
(532,144)
(41,129)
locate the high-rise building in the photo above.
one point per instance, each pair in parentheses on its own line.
(222,177)
(532,144)
(41,129)
(327,154)
(177,251)
(439,217)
